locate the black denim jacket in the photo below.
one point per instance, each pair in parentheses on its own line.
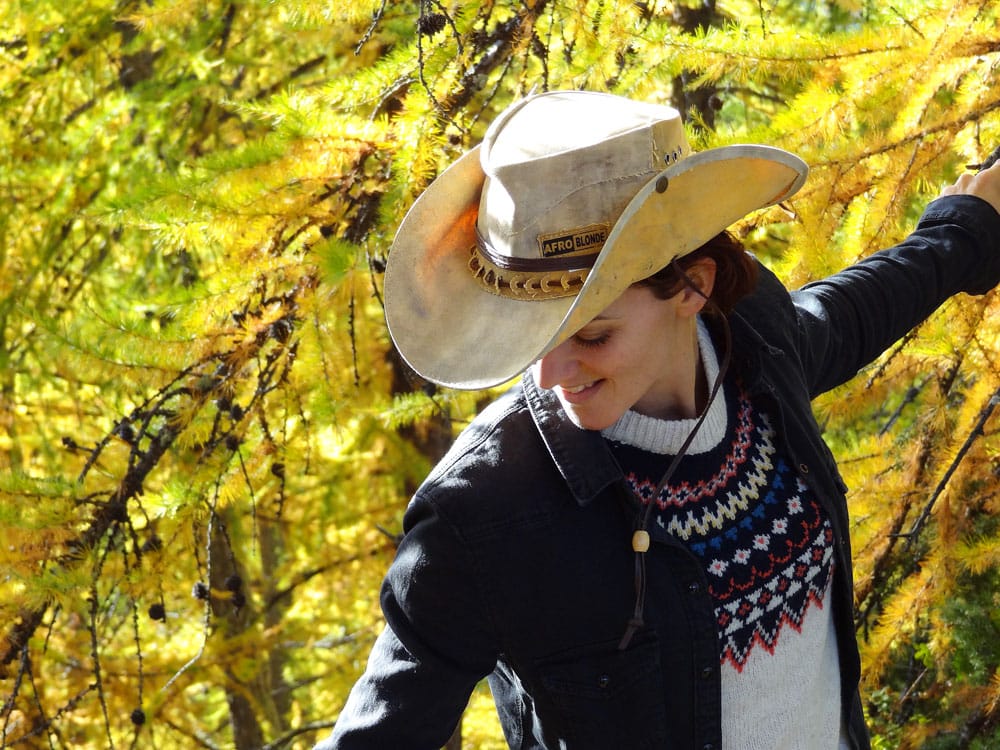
(516,562)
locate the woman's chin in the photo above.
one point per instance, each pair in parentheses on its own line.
(587,419)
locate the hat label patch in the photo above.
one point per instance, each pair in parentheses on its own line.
(588,239)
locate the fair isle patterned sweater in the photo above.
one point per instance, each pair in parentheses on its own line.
(766,546)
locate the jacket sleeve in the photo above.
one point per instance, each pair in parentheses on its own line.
(434,649)
(848,319)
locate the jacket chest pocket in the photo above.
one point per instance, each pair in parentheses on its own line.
(605,698)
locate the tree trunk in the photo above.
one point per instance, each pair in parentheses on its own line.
(702,101)
(225,573)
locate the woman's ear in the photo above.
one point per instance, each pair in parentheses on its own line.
(702,275)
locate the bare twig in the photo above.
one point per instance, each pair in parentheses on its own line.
(977,430)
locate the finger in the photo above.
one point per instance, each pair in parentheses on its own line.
(961,185)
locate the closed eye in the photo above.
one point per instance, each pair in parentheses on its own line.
(592,341)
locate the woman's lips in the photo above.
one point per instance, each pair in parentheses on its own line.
(578,393)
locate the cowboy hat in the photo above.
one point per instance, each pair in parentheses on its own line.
(572,197)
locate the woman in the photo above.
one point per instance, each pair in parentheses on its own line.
(644,543)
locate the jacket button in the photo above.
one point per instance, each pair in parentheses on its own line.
(804,468)
(694,587)
(706,672)
(708,746)
(603,681)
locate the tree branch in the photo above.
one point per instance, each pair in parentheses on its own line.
(977,430)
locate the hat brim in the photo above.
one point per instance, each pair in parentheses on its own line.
(453,332)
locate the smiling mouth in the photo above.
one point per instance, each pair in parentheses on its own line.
(578,388)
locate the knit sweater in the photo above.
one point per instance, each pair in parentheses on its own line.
(765,543)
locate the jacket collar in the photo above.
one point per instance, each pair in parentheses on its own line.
(581,456)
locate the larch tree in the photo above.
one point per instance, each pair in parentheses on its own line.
(206,439)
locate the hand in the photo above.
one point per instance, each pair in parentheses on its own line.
(985,185)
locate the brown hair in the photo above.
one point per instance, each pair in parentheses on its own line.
(735,272)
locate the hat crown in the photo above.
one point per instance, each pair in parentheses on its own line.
(561,167)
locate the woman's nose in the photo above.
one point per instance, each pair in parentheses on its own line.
(555,367)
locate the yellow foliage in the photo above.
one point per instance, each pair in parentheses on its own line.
(980,555)
(199,199)
(896,625)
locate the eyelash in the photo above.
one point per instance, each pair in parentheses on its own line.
(592,343)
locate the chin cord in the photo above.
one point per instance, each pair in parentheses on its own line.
(640,537)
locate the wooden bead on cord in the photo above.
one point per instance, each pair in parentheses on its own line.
(640,540)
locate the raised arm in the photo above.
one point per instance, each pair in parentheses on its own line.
(848,319)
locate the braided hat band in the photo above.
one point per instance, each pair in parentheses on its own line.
(539,278)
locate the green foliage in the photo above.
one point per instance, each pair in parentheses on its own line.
(206,440)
